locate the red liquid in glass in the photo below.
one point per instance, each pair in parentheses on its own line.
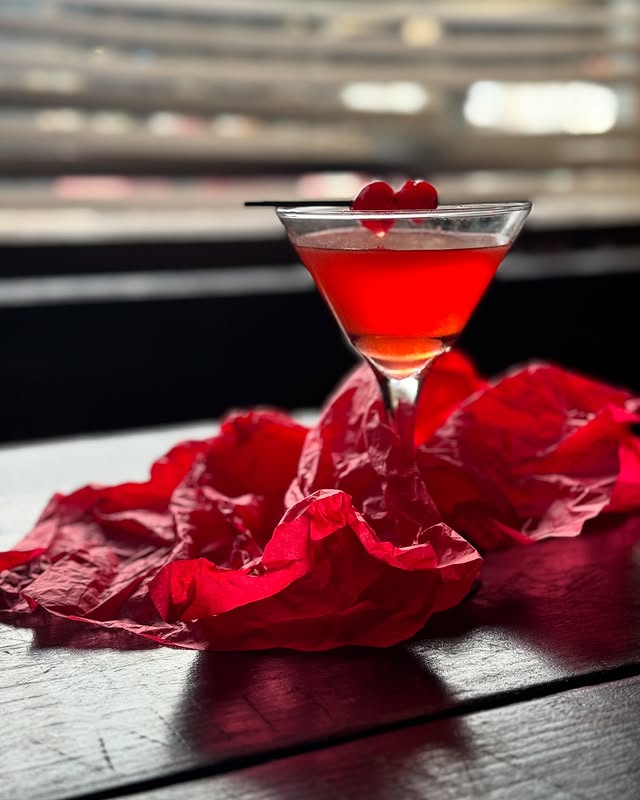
(399,303)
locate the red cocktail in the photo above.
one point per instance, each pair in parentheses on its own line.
(399,304)
(403,283)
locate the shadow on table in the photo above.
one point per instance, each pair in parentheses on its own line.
(575,600)
(239,703)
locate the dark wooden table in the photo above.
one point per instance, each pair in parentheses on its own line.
(531,689)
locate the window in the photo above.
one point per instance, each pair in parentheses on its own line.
(181,106)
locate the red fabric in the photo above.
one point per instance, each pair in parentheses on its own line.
(13,558)
(271,535)
(536,454)
(452,380)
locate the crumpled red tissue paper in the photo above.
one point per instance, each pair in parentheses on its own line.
(536,454)
(270,534)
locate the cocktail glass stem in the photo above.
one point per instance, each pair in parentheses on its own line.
(400,399)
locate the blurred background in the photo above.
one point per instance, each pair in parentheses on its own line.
(135,289)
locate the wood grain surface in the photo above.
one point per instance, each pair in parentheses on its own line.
(579,744)
(92,711)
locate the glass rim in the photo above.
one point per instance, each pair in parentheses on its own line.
(321,212)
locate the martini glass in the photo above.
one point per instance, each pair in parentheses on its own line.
(403,284)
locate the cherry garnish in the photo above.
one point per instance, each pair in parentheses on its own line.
(418,195)
(415,195)
(376,196)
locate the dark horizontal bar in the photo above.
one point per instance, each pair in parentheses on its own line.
(295,203)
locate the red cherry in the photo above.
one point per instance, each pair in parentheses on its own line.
(417,195)
(376,196)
